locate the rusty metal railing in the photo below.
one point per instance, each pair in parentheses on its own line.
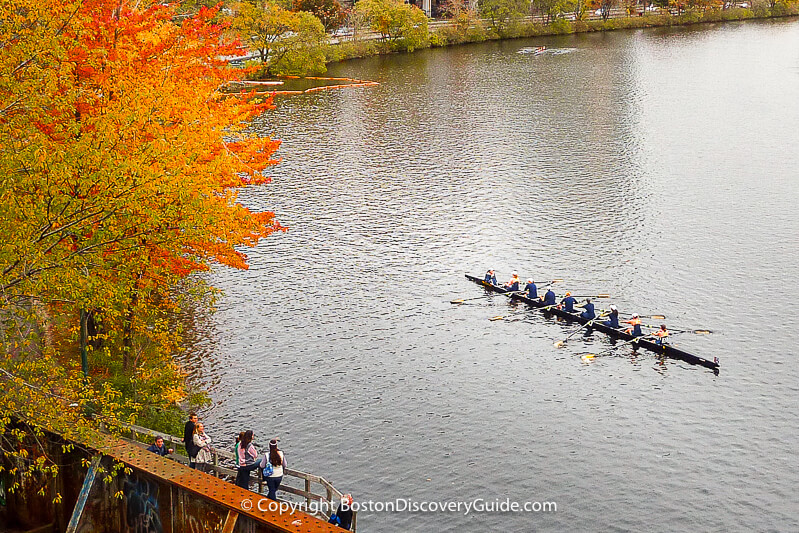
(223,466)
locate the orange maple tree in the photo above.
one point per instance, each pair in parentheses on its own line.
(122,153)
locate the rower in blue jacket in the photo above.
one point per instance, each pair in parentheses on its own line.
(613,318)
(549,297)
(568,303)
(491,277)
(532,290)
(589,310)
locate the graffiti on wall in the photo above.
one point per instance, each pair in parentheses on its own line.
(201,516)
(141,506)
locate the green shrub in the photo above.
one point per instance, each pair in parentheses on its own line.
(561,26)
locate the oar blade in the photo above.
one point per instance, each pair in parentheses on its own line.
(658,317)
(559,344)
(702,331)
(457,301)
(493,318)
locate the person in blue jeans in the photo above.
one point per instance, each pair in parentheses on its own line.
(278,461)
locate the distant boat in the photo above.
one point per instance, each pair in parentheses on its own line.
(538,50)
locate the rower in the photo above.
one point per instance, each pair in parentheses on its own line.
(568,303)
(549,297)
(635,330)
(589,310)
(661,335)
(513,284)
(532,290)
(491,277)
(613,318)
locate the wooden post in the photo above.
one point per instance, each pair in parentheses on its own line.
(260,481)
(308,490)
(230,522)
(215,460)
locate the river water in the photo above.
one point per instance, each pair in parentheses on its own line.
(658,166)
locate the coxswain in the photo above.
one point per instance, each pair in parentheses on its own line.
(613,318)
(589,310)
(491,277)
(549,297)
(513,284)
(661,334)
(635,330)
(568,303)
(532,290)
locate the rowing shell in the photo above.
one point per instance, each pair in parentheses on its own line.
(665,349)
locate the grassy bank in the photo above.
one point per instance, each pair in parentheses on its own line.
(472,31)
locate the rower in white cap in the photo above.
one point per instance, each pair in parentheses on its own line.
(513,284)
(613,318)
(549,297)
(635,322)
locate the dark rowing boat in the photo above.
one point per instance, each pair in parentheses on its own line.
(666,349)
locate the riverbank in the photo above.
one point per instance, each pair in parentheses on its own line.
(472,30)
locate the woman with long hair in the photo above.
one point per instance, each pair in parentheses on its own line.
(203,444)
(247,463)
(278,461)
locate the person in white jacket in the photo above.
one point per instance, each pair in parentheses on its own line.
(203,443)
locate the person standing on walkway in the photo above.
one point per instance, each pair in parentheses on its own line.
(278,461)
(202,442)
(247,459)
(188,439)
(239,438)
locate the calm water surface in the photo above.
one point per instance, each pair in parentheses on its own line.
(659,166)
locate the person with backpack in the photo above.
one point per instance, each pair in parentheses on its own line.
(343,515)
(247,456)
(276,461)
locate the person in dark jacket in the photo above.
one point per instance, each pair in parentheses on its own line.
(568,303)
(613,318)
(159,447)
(343,515)
(589,312)
(188,440)
(549,297)
(532,290)
(491,277)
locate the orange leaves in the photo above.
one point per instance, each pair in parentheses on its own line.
(138,141)
(255,155)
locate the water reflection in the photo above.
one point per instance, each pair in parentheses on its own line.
(643,164)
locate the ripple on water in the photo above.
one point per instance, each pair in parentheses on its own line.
(651,165)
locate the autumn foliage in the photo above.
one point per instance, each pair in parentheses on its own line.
(120,160)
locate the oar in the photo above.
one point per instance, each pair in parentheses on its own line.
(461,300)
(590,295)
(694,331)
(656,317)
(588,324)
(600,354)
(500,317)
